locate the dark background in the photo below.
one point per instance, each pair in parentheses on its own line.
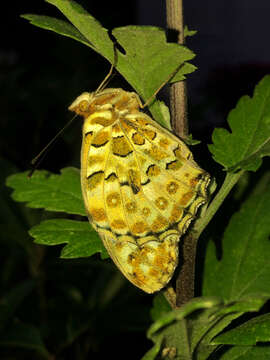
(41,73)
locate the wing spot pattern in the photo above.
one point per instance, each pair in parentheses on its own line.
(161,203)
(113,200)
(172,187)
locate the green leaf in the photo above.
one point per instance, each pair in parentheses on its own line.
(247,353)
(181,330)
(190,330)
(59,26)
(87,25)
(165,113)
(249,139)
(244,268)
(249,333)
(212,323)
(24,336)
(160,306)
(188,308)
(81,239)
(52,192)
(149,60)
(12,300)
(190,141)
(188,32)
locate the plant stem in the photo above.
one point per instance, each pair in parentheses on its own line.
(178,99)
(186,277)
(178,107)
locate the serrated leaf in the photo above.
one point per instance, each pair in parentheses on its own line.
(81,239)
(149,60)
(49,191)
(247,353)
(26,336)
(249,333)
(244,268)
(147,46)
(130,37)
(249,139)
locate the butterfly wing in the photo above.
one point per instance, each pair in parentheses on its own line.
(141,188)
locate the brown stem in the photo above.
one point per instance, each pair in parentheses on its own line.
(178,107)
(186,276)
(178,99)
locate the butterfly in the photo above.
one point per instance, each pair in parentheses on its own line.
(140,185)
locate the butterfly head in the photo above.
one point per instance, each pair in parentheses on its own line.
(81,105)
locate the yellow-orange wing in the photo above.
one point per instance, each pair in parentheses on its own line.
(140,185)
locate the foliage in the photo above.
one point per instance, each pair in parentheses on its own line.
(249,140)
(94,302)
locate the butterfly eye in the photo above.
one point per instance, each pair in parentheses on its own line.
(84,105)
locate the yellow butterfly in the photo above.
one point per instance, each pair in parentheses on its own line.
(140,184)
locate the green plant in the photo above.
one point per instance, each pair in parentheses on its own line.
(232,287)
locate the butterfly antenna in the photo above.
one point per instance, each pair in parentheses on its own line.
(38,159)
(109,75)
(105,83)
